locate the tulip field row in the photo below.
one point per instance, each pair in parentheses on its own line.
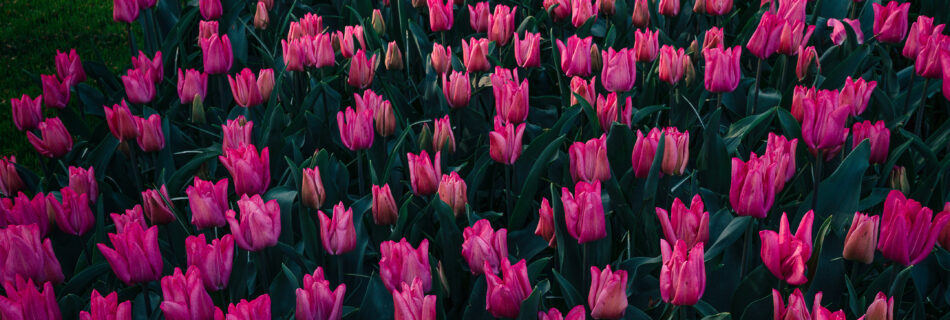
(463,159)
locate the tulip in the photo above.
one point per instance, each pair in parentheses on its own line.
(10,182)
(856,94)
(545,228)
(401,263)
(474,54)
(216,53)
(898,179)
(440,15)
(576,313)
(765,40)
(672,63)
(443,136)
(55,93)
(607,110)
(424,176)
(823,126)
(619,71)
(584,212)
(646,45)
(608,7)
(131,216)
(806,55)
(152,67)
(411,302)
(297,53)
(562,11)
(890,22)
(385,211)
(393,59)
(384,119)
(907,233)
(184,296)
(575,56)
(316,301)
(784,254)
(24,301)
(310,24)
(23,253)
(717,7)
(752,188)
(501,24)
(24,211)
(206,29)
(250,170)
(191,84)
(362,70)
(457,89)
(484,246)
(136,257)
(72,215)
(247,310)
(586,90)
(781,152)
(506,293)
(928,64)
(644,151)
(690,225)
(261,19)
(69,66)
(528,50)
(320,53)
(581,11)
(27,113)
(839,35)
(803,95)
(259,224)
(208,202)
(675,151)
(452,191)
(356,131)
(641,13)
(210,9)
(347,47)
(713,38)
(505,142)
(478,16)
(55,141)
(157,209)
(214,260)
(669,8)
(106,308)
(920,33)
(589,160)
(607,298)
(150,137)
(121,121)
(125,10)
(311,191)
(945,60)
(139,86)
(877,134)
(793,37)
(862,237)
(882,308)
(338,234)
(511,97)
(265,83)
(441,58)
(683,275)
(722,69)
(796,308)
(237,133)
(244,88)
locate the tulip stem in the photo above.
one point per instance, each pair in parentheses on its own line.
(584,266)
(672,96)
(919,123)
(781,80)
(131,37)
(508,189)
(359,169)
(145,296)
(134,161)
(758,77)
(818,161)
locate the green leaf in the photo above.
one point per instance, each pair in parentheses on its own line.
(737,226)
(529,307)
(525,199)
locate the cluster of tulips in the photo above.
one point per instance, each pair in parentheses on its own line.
(238,209)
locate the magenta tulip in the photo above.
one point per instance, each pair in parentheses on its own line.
(690,225)
(423,174)
(784,254)
(136,257)
(337,233)
(584,212)
(401,263)
(214,260)
(184,297)
(259,224)
(24,253)
(484,246)
(506,293)
(249,170)
(208,202)
(216,53)
(890,21)
(356,128)
(907,232)
(505,142)
(575,56)
(72,214)
(683,275)
(315,300)
(106,308)
(607,297)
(24,301)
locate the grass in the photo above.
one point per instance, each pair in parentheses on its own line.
(30,33)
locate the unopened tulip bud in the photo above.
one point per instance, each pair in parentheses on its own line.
(54,141)
(312,191)
(393,57)
(337,233)
(898,179)
(641,13)
(385,211)
(882,308)
(607,297)
(261,18)
(861,241)
(379,25)
(453,191)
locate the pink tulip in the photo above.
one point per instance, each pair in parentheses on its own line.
(608,7)
(156,208)
(10,182)
(928,63)
(607,297)
(441,58)
(501,24)
(320,54)
(878,135)
(24,211)
(690,225)
(297,53)
(575,56)
(393,59)
(589,160)
(803,95)
(442,136)
(385,211)
(511,96)
(669,8)
(72,215)
(121,121)
(131,216)
(457,89)
(806,56)
(796,309)
(839,34)
(752,188)
(646,45)
(717,7)
(139,86)
(672,64)
(310,24)
(475,54)
(586,90)
(24,301)
(506,293)
(216,53)
(136,257)
(505,142)
(106,308)
(722,69)
(675,151)
(362,70)
(265,83)
(584,212)
(424,176)
(261,19)
(945,60)
(316,301)
(24,253)
(765,40)
(890,22)
(184,296)
(619,71)
(214,260)
(312,192)
(861,240)
(856,94)
(794,35)
(644,151)
(411,302)
(356,131)
(208,202)
(401,263)
(55,93)
(478,16)
(713,38)
(545,228)
(882,308)
(683,275)
(210,9)
(237,133)
(125,11)
(191,84)
(152,66)
(248,310)
(337,233)
(55,141)
(907,232)
(249,170)
(920,33)
(607,110)
(346,40)
(581,11)
(528,50)
(784,254)
(781,152)
(259,224)
(562,11)
(823,126)
(27,113)
(440,15)
(576,313)
(69,66)
(484,246)
(206,29)
(244,88)
(641,14)
(453,191)
(150,137)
